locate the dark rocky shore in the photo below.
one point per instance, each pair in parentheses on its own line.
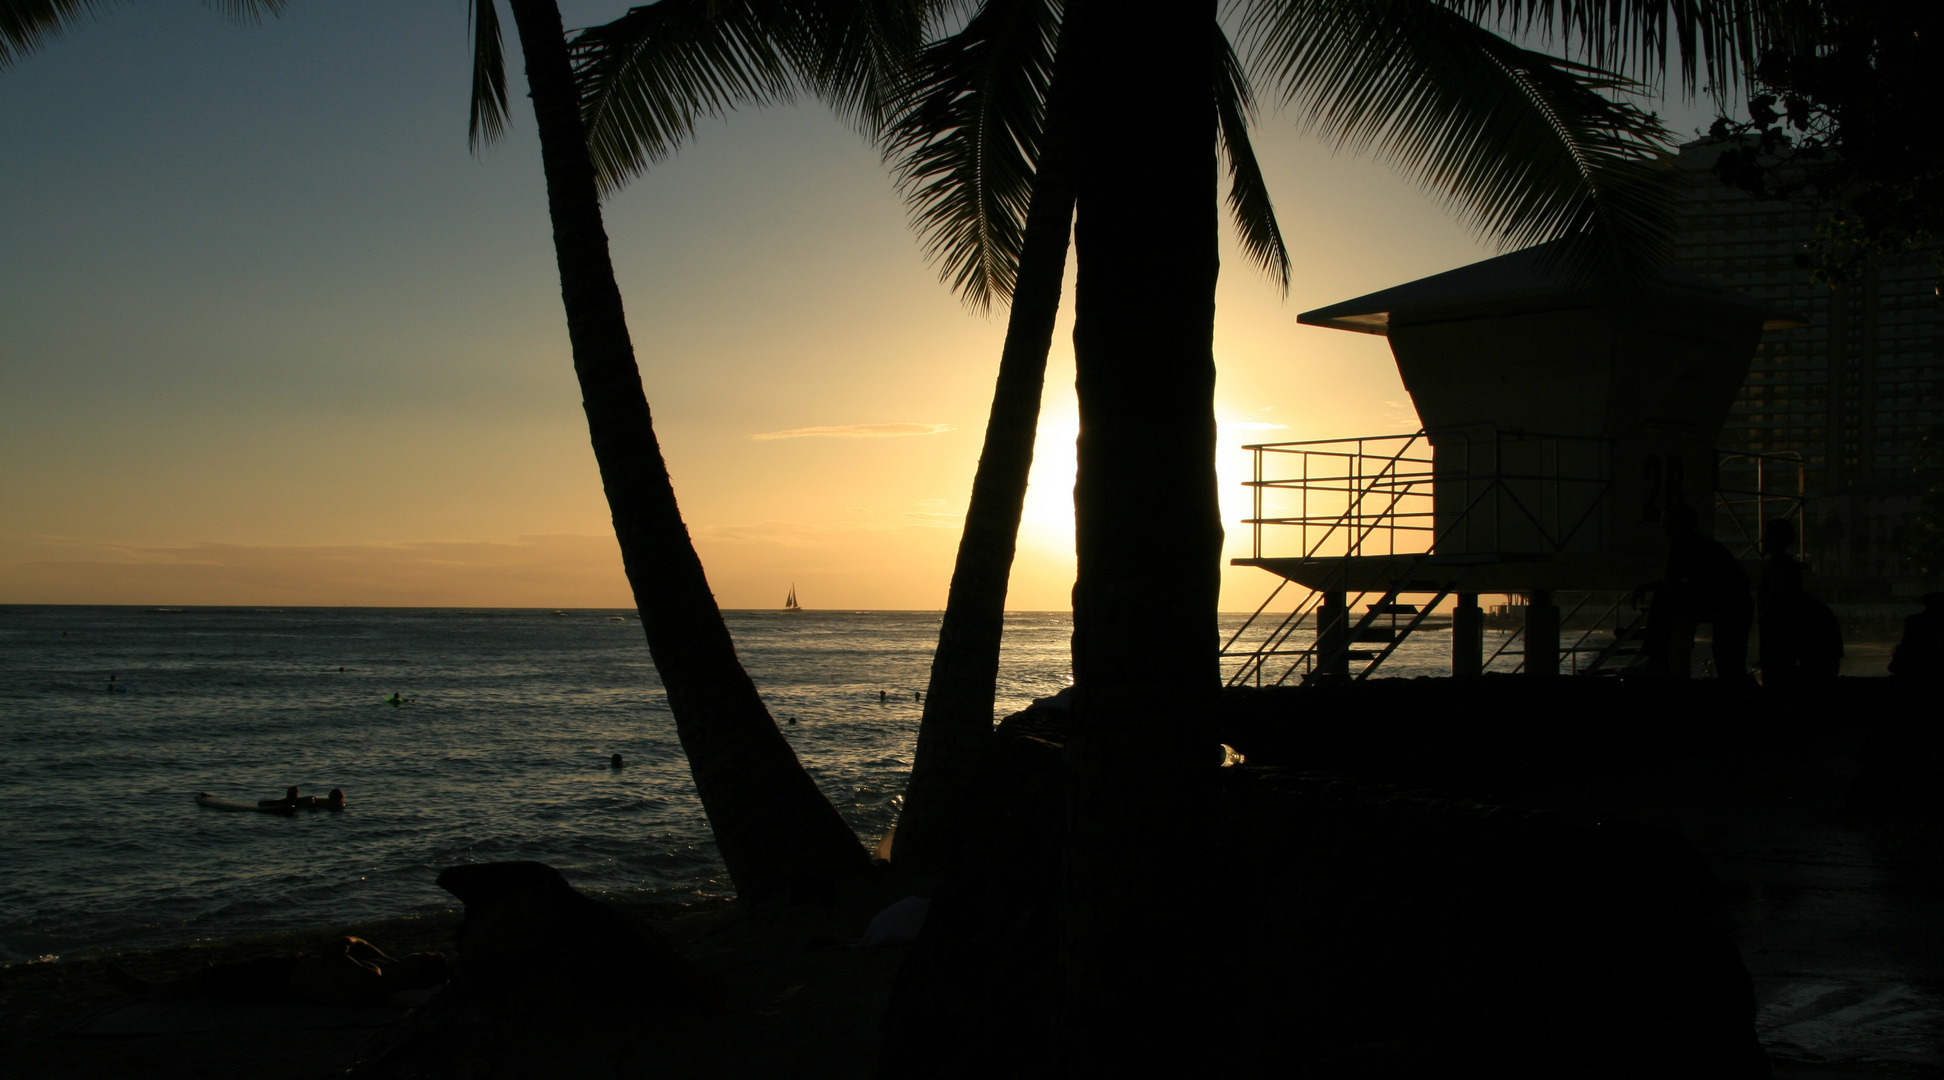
(1503,877)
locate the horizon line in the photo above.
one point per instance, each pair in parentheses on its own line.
(276,608)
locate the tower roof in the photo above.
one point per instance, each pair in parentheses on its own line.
(1523,281)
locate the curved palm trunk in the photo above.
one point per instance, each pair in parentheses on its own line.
(1141,746)
(777,832)
(957,722)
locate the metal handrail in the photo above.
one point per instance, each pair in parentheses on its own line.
(1762,497)
(1376,477)
(1376,486)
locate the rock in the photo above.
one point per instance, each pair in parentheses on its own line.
(527,930)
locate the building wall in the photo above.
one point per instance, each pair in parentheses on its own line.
(1853,393)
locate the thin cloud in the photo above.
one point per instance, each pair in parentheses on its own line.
(856,431)
(934,521)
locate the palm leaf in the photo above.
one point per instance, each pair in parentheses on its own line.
(647,77)
(966,141)
(858,54)
(1248,198)
(1706,41)
(26,25)
(489,118)
(1525,145)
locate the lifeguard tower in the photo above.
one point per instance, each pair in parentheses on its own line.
(1561,422)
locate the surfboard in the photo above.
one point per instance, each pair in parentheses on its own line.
(214,803)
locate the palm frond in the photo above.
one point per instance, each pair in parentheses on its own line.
(1527,146)
(966,141)
(647,77)
(489,117)
(1248,198)
(248,12)
(1704,41)
(858,54)
(26,25)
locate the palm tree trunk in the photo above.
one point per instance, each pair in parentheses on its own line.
(778,834)
(957,722)
(1141,747)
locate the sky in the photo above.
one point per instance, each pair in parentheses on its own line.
(271,335)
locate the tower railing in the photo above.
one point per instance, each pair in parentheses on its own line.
(1477,495)
(1461,490)
(1461,494)
(1752,489)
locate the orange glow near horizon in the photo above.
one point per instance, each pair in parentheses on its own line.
(301,349)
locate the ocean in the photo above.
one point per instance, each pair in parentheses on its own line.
(503,753)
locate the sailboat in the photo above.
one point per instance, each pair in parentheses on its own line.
(790,605)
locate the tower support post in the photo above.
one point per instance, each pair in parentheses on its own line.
(1333,634)
(1467,637)
(1542,635)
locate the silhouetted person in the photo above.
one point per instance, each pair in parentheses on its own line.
(1702,584)
(1919,656)
(884,695)
(293,800)
(1780,605)
(615,762)
(917,695)
(1819,655)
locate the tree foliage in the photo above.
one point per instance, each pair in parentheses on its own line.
(1921,537)
(969,127)
(26,25)
(1529,147)
(1842,117)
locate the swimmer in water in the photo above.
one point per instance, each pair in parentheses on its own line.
(615,762)
(292,801)
(884,695)
(295,800)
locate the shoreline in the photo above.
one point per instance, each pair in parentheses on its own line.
(32,992)
(800,1005)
